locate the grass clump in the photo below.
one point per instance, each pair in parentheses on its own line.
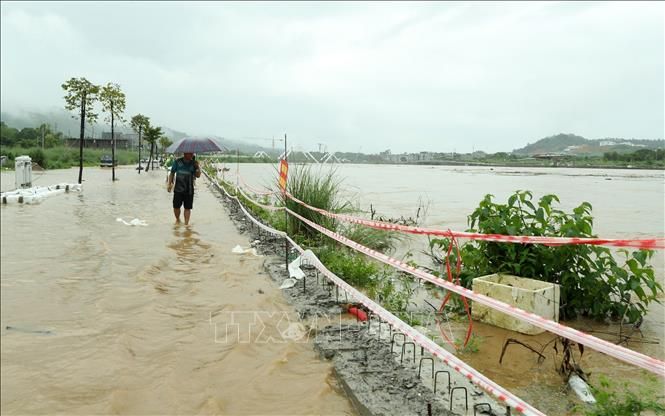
(63,157)
(378,240)
(317,187)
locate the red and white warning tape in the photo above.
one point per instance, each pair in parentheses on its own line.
(648,243)
(254,190)
(436,350)
(474,376)
(268,207)
(624,354)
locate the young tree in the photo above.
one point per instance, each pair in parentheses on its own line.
(139,124)
(113,103)
(165,142)
(81,95)
(152,134)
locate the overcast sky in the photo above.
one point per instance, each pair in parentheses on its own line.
(355,76)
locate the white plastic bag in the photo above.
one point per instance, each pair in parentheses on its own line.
(287,283)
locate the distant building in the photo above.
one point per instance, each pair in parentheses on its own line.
(106,135)
(132,138)
(425,156)
(100,142)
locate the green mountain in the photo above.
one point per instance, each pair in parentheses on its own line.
(577,145)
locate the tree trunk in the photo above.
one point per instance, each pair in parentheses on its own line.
(140,128)
(82,133)
(112,146)
(149,158)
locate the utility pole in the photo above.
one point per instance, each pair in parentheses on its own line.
(112,144)
(43,127)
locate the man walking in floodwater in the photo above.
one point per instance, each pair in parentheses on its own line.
(184,170)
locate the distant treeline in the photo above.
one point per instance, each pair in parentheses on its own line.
(642,155)
(29,137)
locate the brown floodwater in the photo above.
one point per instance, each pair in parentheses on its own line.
(98,317)
(626,203)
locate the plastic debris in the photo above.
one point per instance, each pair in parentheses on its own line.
(241,250)
(580,388)
(294,269)
(133,222)
(287,283)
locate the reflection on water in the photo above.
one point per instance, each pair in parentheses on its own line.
(108,318)
(188,247)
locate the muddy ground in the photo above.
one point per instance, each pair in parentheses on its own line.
(377,369)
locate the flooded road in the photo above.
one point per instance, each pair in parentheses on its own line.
(98,317)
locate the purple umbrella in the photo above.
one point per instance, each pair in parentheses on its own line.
(195,145)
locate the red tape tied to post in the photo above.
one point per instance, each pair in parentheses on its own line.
(654,365)
(651,364)
(648,243)
(449,359)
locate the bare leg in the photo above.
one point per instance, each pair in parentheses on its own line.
(176,212)
(188,212)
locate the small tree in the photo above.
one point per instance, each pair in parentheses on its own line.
(81,95)
(113,103)
(164,142)
(152,134)
(591,280)
(139,124)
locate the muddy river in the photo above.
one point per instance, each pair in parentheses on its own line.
(98,317)
(626,203)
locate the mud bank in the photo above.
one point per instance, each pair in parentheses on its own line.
(378,370)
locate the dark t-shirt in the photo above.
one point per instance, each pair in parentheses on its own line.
(184,176)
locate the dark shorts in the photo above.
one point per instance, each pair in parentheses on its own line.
(180,198)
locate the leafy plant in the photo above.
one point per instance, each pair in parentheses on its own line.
(471,347)
(113,102)
(611,403)
(353,267)
(592,283)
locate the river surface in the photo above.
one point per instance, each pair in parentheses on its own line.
(98,317)
(626,203)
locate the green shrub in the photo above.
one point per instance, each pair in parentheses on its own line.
(592,283)
(611,403)
(37,155)
(354,268)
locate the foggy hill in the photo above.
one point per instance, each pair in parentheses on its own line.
(61,120)
(578,145)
